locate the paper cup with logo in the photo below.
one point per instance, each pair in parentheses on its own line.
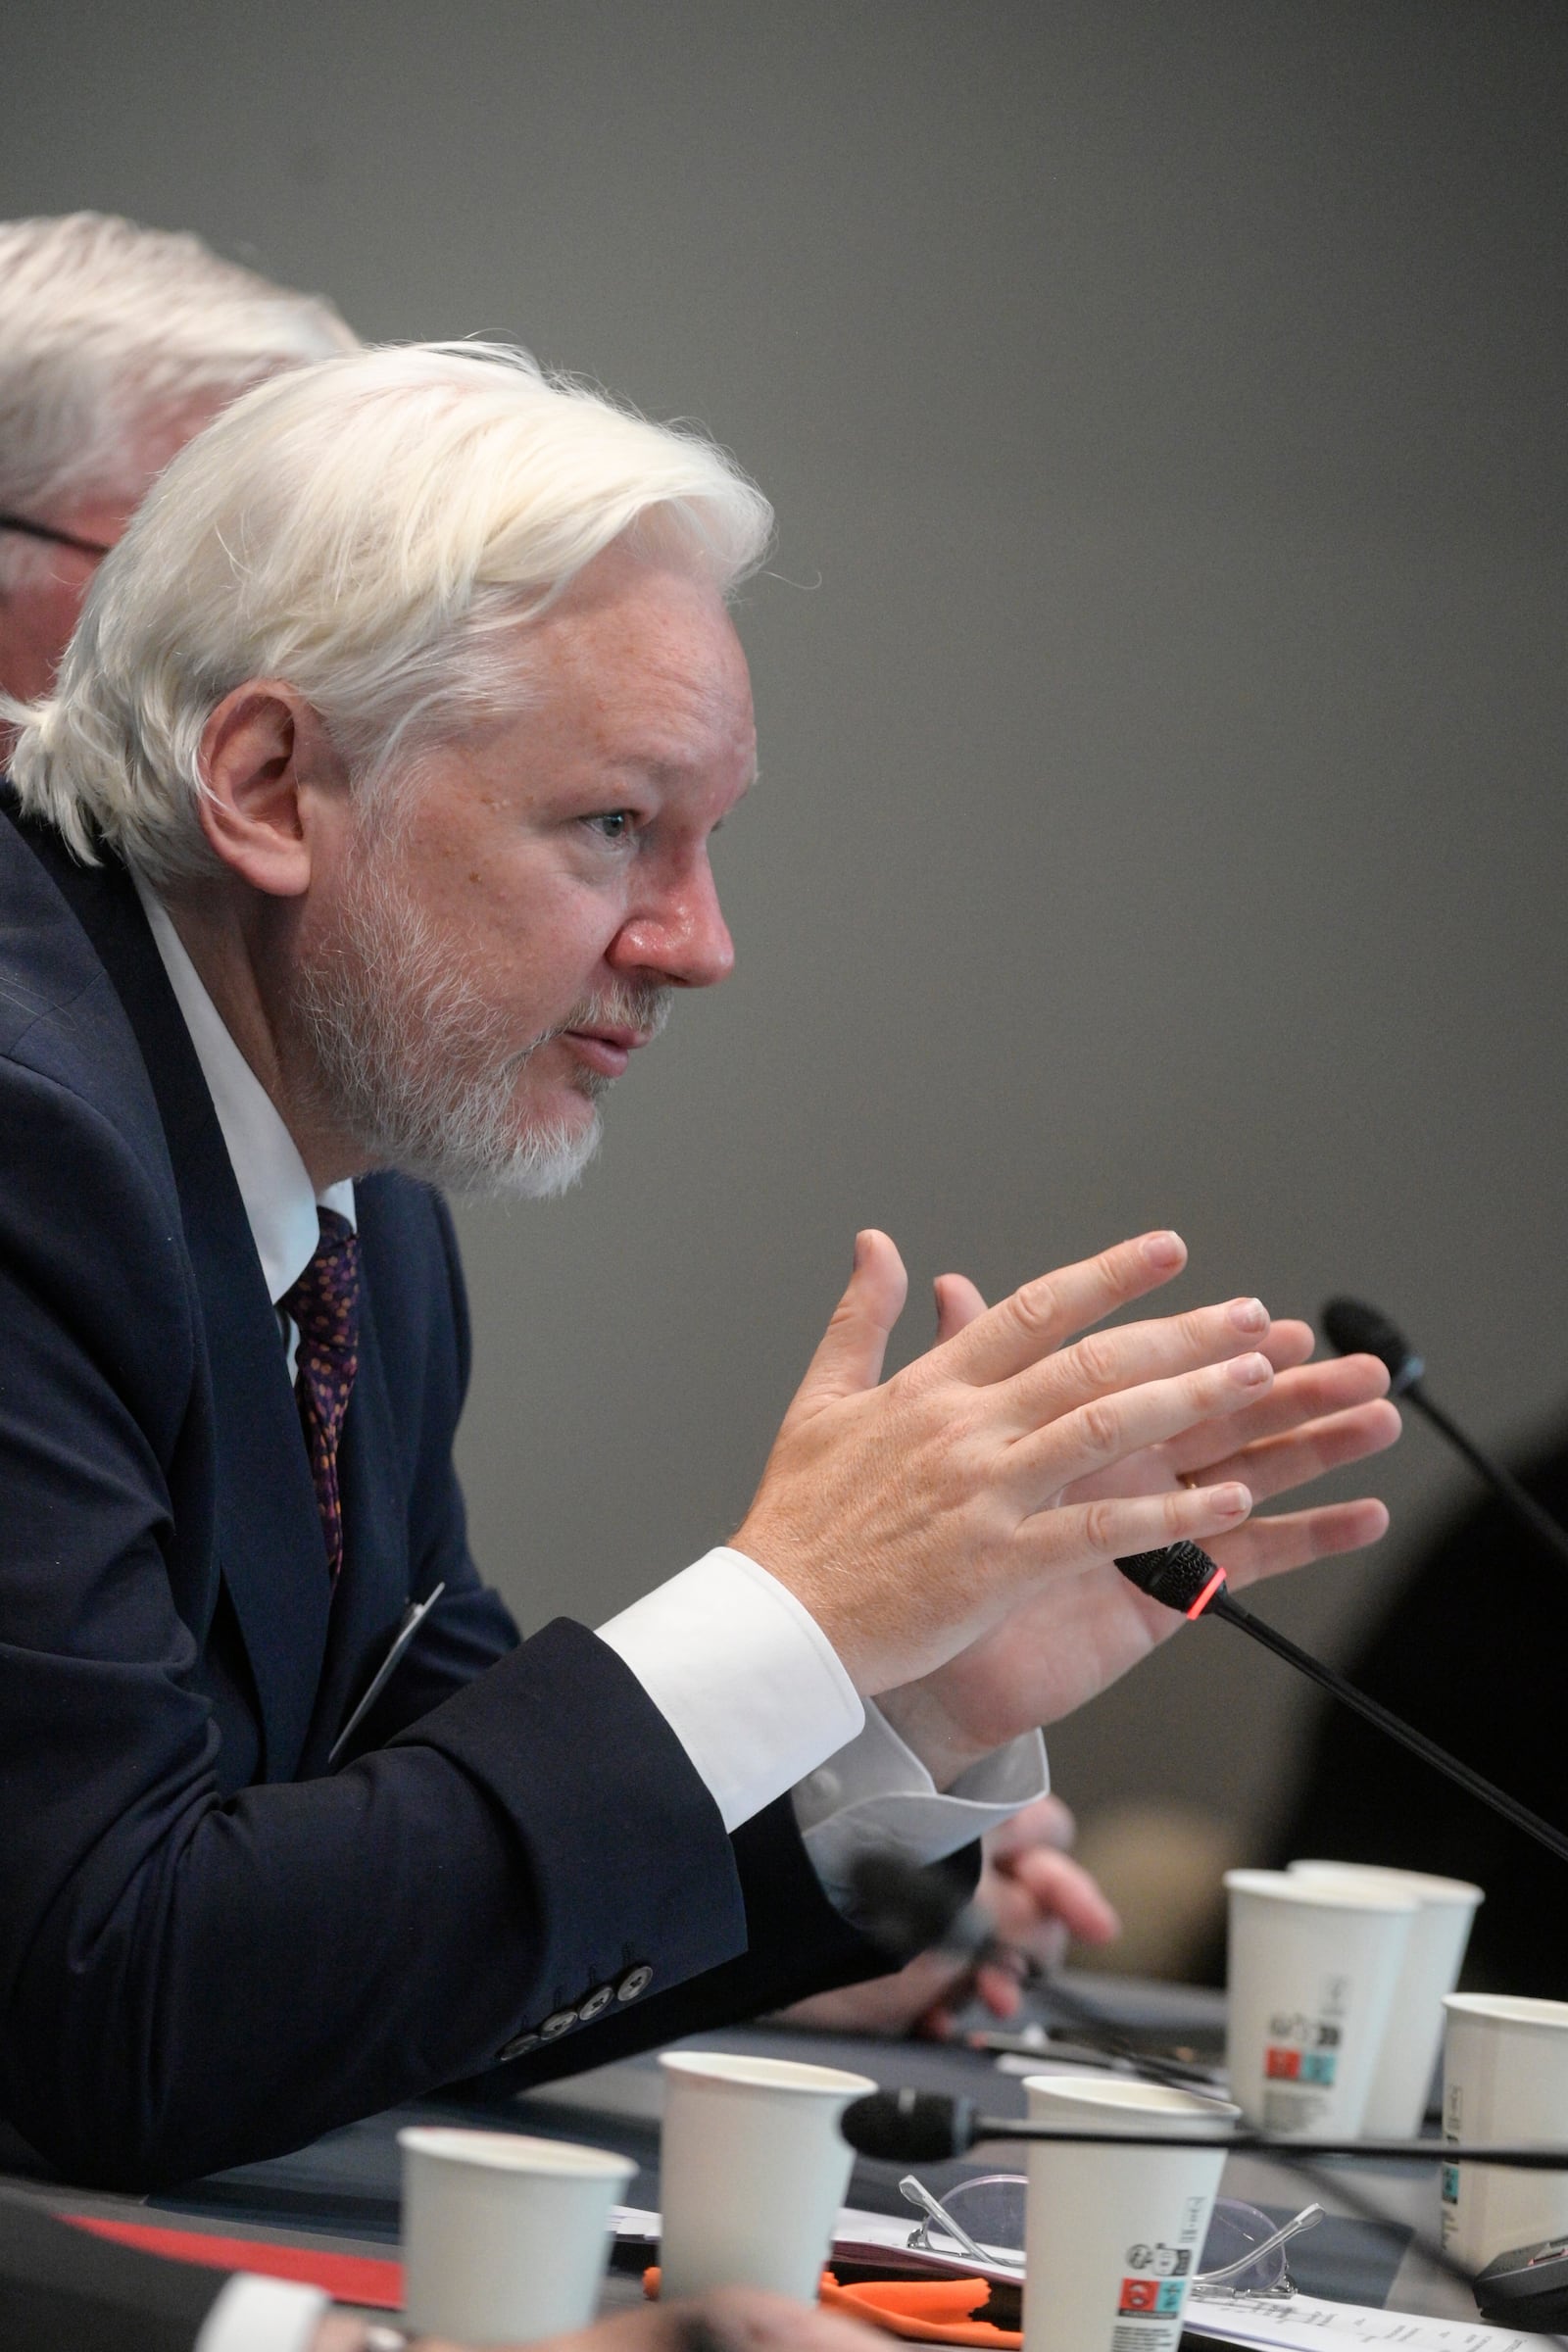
(753,2169)
(505,2238)
(1113,2236)
(1396,2104)
(1505,2078)
(1310,1985)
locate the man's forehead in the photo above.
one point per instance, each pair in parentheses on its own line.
(652,652)
(634,608)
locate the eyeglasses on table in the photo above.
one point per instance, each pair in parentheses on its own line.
(1243,2257)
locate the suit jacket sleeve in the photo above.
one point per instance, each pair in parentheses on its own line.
(193,1975)
(63,2289)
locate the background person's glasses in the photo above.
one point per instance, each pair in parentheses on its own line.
(1244,2253)
(55,537)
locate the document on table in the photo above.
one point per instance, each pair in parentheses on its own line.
(1302,2324)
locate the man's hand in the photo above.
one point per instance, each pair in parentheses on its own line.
(736,2319)
(1035,1897)
(912,1516)
(1067,1640)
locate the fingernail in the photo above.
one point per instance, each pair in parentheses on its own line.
(1164,1249)
(1249,1371)
(1248,1314)
(1232,1503)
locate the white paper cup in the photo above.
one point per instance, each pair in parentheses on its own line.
(1396,2103)
(1113,2236)
(753,2169)
(1505,2078)
(505,2238)
(1311,1982)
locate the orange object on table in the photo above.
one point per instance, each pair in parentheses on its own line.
(924,2311)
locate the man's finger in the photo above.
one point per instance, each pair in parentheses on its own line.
(1310,1392)
(1107,1366)
(1042,1888)
(1115,1527)
(855,1343)
(1272,1546)
(1275,1465)
(1105,1429)
(958,1304)
(1289,1343)
(1039,1316)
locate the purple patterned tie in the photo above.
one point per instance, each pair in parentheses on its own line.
(325,1304)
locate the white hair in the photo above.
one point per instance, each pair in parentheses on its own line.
(371,530)
(107,330)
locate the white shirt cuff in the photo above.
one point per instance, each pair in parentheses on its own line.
(876,1792)
(744,1676)
(262,2315)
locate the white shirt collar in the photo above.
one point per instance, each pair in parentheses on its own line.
(274,1184)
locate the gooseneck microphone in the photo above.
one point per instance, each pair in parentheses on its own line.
(1183,1577)
(1355,1329)
(923,2126)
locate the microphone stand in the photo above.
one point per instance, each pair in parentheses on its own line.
(1354,1328)
(1498,1478)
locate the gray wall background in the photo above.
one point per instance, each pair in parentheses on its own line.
(1161,678)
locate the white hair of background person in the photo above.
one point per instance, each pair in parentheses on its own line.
(107,329)
(370,530)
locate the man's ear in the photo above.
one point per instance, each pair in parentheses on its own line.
(270,775)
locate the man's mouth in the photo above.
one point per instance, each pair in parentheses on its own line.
(606,1050)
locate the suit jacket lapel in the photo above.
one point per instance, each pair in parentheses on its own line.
(271,1549)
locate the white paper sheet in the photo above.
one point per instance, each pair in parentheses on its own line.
(1302,2324)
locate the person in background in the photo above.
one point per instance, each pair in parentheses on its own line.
(116,344)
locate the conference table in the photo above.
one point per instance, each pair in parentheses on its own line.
(340,2197)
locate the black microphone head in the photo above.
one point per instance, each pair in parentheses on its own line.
(1178,1577)
(1355,1329)
(905,1910)
(910,2126)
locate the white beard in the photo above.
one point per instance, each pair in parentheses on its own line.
(410,1056)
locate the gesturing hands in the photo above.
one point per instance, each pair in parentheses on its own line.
(953,1528)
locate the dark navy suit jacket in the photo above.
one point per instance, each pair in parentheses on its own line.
(211,1948)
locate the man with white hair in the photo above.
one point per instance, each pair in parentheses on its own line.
(362,842)
(116,344)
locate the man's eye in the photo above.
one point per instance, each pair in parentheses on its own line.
(612,824)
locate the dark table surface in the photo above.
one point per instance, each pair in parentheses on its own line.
(341,2193)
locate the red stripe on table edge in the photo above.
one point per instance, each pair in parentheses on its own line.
(347,2277)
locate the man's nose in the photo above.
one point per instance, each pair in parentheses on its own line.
(681,938)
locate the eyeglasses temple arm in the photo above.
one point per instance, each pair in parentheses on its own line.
(919,2194)
(1307,2219)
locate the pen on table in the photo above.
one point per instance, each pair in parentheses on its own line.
(409,1624)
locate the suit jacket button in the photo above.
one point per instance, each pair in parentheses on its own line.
(559,2021)
(634,1982)
(517,2044)
(596,2003)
